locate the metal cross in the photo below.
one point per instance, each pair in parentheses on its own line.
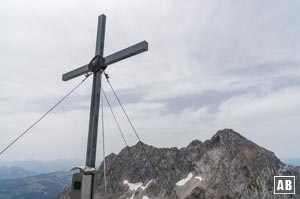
(97,66)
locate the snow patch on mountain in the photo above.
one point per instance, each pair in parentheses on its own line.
(133,186)
(136,186)
(199,178)
(185,180)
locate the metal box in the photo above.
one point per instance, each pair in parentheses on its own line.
(82,184)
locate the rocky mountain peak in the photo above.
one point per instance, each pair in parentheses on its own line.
(228,134)
(226,166)
(194,143)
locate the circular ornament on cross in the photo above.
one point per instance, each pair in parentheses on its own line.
(97,63)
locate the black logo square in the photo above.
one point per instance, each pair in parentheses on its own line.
(284,184)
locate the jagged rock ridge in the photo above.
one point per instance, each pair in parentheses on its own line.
(226,166)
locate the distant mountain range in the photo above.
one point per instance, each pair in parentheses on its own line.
(292,161)
(39,167)
(43,186)
(28,181)
(14,172)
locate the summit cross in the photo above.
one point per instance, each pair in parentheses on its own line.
(97,65)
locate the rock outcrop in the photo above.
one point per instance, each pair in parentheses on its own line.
(65,193)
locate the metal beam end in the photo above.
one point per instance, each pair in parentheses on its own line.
(146,45)
(64,78)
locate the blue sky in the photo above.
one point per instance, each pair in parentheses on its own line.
(211,65)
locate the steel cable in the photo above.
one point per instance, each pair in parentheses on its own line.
(38,120)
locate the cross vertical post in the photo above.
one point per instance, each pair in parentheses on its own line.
(95,98)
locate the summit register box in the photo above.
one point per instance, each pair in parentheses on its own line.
(82,183)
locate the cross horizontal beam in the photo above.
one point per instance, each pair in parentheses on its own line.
(127,52)
(113,58)
(75,73)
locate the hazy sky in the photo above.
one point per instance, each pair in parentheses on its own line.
(211,65)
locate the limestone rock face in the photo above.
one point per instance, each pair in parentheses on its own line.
(65,193)
(226,166)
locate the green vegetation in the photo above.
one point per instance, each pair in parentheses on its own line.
(197,193)
(252,183)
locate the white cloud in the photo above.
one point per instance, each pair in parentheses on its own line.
(282,103)
(247,49)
